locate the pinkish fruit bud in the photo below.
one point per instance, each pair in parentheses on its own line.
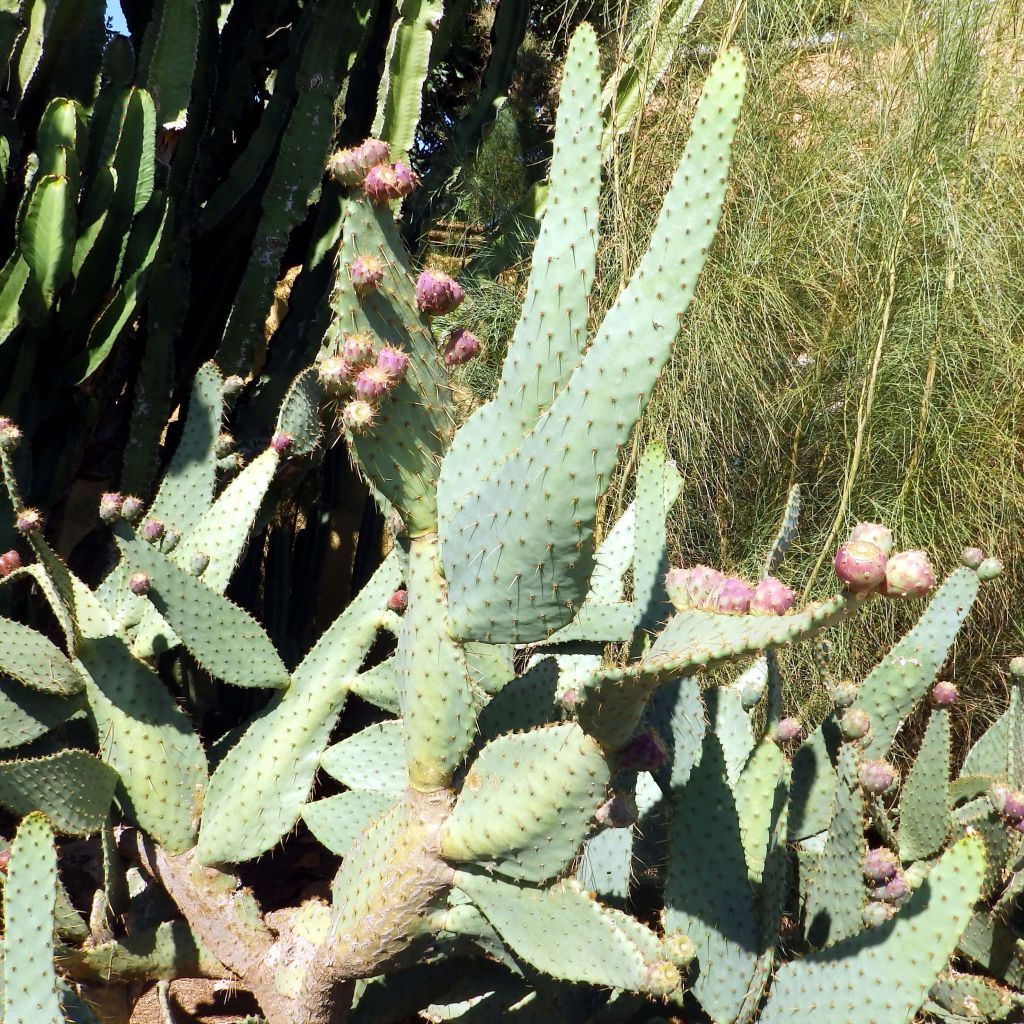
(233,385)
(461,348)
(645,752)
(663,978)
(989,569)
(29,520)
(224,445)
(138,583)
(679,948)
(399,600)
(944,694)
(788,729)
(733,596)
(358,416)
(878,776)
(908,574)
(282,443)
(10,435)
(358,351)
(110,506)
(619,811)
(171,539)
(1008,802)
(437,293)
(373,382)
(877,913)
(972,557)
(895,889)
(569,699)
(198,563)
(5,860)
(393,361)
(386,182)
(152,530)
(860,565)
(873,533)
(336,374)
(844,693)
(350,166)
(880,865)
(771,597)
(366,272)
(855,724)
(9,562)
(132,508)
(695,587)
(1016,667)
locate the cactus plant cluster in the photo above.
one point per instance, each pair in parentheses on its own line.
(548,733)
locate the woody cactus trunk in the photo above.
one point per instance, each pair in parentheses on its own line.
(522,781)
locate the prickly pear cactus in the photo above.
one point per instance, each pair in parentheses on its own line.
(508,791)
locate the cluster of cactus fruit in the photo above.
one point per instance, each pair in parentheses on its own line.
(556,739)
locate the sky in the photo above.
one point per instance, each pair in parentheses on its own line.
(116,17)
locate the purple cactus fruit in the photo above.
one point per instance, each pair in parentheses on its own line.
(336,374)
(1009,803)
(733,596)
(399,600)
(989,569)
(9,562)
(645,752)
(10,435)
(110,506)
(860,566)
(358,416)
(350,166)
(873,533)
(29,520)
(138,583)
(233,385)
(461,348)
(771,597)
(386,182)
(569,699)
(373,382)
(855,724)
(1016,667)
(880,865)
(1018,826)
(878,776)
(972,557)
(358,351)
(132,508)
(366,272)
(282,443)
(877,913)
(893,890)
(152,530)
(692,588)
(908,574)
(437,293)
(788,729)
(393,361)
(844,693)
(944,694)
(663,978)
(198,563)
(618,811)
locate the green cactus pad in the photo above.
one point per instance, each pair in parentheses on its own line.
(372,759)
(257,792)
(657,486)
(677,715)
(26,715)
(535,922)
(26,655)
(167,61)
(401,453)
(992,944)
(707,895)
(814,780)
(299,417)
(787,531)
(186,491)
(437,699)
(904,675)
(48,236)
(223,638)
(338,820)
(834,900)
(901,959)
(30,993)
(528,701)
(988,757)
(518,574)
(924,799)
(71,787)
(527,803)
(731,724)
(379,686)
(759,791)
(551,334)
(966,997)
